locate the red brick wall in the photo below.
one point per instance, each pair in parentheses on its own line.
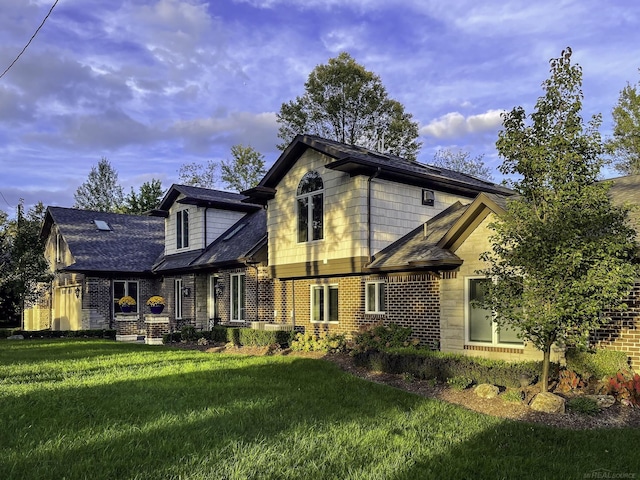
(622,333)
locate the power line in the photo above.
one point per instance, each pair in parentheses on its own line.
(30,40)
(5,200)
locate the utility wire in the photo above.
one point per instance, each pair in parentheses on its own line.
(5,200)
(30,40)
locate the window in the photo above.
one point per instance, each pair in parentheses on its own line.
(480,325)
(324,303)
(178,297)
(237,297)
(213,297)
(58,248)
(310,204)
(122,288)
(182,229)
(102,225)
(375,301)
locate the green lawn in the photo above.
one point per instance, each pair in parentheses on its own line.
(100,409)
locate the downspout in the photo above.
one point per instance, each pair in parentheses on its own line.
(369,211)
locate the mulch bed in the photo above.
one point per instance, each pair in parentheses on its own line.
(617,416)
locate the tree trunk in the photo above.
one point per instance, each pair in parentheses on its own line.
(546,360)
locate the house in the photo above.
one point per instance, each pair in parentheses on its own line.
(335,237)
(330,209)
(96,258)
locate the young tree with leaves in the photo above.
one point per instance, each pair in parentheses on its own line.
(149,196)
(625,144)
(198,174)
(562,254)
(245,170)
(23,262)
(462,162)
(345,102)
(101,191)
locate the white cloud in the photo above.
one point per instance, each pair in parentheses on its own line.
(454,124)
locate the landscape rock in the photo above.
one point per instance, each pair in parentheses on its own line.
(603,401)
(487,390)
(16,337)
(547,402)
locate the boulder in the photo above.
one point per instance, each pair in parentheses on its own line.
(603,401)
(547,402)
(487,390)
(16,337)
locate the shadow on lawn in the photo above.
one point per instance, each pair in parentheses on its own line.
(150,427)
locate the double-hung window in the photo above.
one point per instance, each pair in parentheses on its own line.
(310,205)
(375,301)
(123,288)
(324,303)
(237,297)
(480,325)
(182,229)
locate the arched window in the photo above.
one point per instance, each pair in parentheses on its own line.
(310,207)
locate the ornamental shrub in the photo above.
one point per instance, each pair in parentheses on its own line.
(596,363)
(380,337)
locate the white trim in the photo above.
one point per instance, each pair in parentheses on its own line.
(180,226)
(494,330)
(309,196)
(233,315)
(376,299)
(177,286)
(326,287)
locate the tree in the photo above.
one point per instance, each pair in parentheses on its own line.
(245,170)
(101,191)
(562,253)
(23,264)
(462,162)
(198,175)
(625,144)
(345,102)
(149,197)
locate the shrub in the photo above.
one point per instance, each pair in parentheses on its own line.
(308,342)
(263,338)
(512,395)
(584,405)
(188,333)
(425,364)
(459,382)
(379,337)
(568,380)
(598,363)
(625,387)
(96,333)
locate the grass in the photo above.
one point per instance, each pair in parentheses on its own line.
(98,409)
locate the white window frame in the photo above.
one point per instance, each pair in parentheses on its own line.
(182,219)
(58,248)
(178,298)
(494,326)
(237,314)
(136,297)
(326,308)
(212,303)
(377,297)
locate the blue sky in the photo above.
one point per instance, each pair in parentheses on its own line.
(154,84)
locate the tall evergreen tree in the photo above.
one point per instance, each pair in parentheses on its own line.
(562,254)
(101,191)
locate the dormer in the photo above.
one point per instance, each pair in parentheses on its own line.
(195,217)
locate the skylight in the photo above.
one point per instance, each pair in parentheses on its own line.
(102,225)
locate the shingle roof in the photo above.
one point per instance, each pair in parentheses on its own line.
(361,161)
(206,197)
(131,246)
(238,243)
(417,250)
